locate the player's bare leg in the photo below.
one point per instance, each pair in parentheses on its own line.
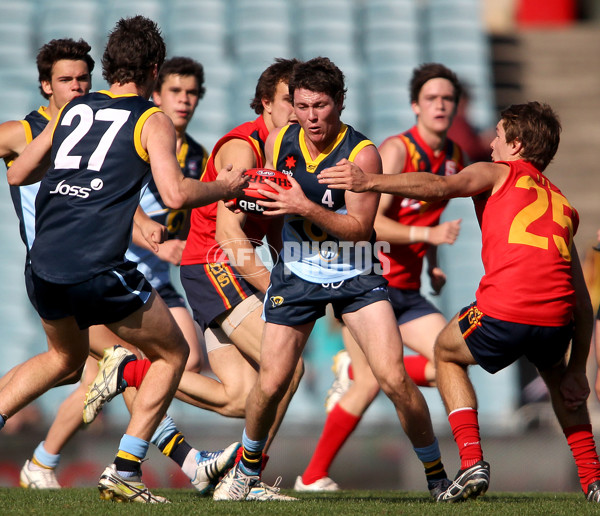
(154,331)
(67,351)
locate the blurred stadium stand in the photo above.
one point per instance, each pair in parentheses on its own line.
(375,42)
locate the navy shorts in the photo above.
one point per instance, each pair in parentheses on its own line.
(212,289)
(106,298)
(170,296)
(292,301)
(495,344)
(29,284)
(409,305)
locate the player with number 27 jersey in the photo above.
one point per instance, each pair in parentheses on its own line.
(107,129)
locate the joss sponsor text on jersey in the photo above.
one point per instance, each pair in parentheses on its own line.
(77,191)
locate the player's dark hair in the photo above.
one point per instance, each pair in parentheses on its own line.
(58,49)
(279,71)
(184,66)
(428,71)
(537,127)
(321,75)
(135,46)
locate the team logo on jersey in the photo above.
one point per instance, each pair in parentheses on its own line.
(63,188)
(290,162)
(276,301)
(450,168)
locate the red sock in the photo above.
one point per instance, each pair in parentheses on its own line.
(465,429)
(338,427)
(134,372)
(583,447)
(415,367)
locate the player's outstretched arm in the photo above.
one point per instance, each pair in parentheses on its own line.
(176,190)
(472,180)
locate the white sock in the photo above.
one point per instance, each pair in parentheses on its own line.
(190,463)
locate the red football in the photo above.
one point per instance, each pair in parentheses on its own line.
(259,178)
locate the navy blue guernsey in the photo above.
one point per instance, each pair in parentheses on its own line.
(308,251)
(23,197)
(86,202)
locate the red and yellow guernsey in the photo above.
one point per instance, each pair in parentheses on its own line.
(527,229)
(201,246)
(406,260)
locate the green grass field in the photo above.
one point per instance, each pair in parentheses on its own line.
(85,502)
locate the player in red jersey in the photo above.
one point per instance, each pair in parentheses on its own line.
(412,229)
(527,229)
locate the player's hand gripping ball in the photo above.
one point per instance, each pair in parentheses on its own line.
(259,178)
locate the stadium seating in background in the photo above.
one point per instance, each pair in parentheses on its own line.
(115,9)
(72,19)
(17,25)
(260,33)
(200,30)
(392,49)
(327,29)
(330,29)
(456,37)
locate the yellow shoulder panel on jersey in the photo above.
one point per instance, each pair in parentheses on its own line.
(56,121)
(277,145)
(28,134)
(137,134)
(358,148)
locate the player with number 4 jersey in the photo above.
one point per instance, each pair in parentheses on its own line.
(318,266)
(289,155)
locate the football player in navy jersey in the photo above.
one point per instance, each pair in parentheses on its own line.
(178,89)
(64,69)
(328,256)
(181,84)
(104,147)
(413,230)
(226,297)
